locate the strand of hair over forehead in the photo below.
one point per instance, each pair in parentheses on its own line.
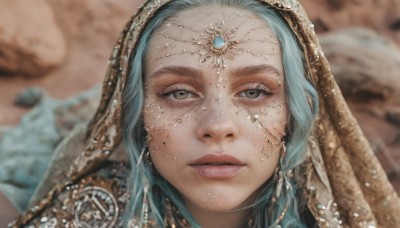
(298,89)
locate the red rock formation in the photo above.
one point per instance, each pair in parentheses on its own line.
(30,41)
(90,28)
(380,15)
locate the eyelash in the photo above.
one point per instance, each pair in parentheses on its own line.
(169,95)
(264,91)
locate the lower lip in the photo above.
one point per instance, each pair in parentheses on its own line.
(217,171)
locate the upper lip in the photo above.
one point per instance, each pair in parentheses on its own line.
(217,159)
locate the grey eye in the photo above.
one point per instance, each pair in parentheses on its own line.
(181,94)
(252,93)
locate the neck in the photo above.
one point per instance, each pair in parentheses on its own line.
(212,219)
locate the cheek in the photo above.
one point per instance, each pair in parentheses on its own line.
(266,128)
(167,152)
(165,129)
(157,123)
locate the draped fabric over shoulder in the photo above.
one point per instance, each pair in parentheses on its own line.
(345,184)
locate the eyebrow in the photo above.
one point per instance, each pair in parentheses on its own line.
(253,70)
(179,71)
(195,73)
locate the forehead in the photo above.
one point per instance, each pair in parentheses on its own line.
(203,16)
(184,38)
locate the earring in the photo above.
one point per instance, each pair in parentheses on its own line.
(145,155)
(145,208)
(282,176)
(147,158)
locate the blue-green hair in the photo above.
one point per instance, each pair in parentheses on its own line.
(302,102)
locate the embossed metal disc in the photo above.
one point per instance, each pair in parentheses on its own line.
(96,207)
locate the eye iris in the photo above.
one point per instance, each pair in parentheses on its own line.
(252,93)
(180,95)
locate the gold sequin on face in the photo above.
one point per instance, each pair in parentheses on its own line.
(216,43)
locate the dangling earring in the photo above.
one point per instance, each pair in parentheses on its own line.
(145,207)
(144,214)
(283,152)
(283,177)
(279,174)
(145,156)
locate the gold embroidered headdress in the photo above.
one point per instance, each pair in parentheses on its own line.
(343,174)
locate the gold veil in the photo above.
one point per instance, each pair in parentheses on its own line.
(345,184)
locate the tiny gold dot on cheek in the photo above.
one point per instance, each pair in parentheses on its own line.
(254,118)
(210,197)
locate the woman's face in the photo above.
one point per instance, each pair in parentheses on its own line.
(215,110)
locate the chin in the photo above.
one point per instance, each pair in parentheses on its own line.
(222,206)
(223,201)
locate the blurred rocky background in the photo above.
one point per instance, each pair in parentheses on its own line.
(361,39)
(51,51)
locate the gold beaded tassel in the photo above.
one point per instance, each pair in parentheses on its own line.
(283,178)
(145,208)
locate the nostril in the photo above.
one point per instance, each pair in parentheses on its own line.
(229,135)
(207,136)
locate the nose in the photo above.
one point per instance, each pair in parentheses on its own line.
(216,125)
